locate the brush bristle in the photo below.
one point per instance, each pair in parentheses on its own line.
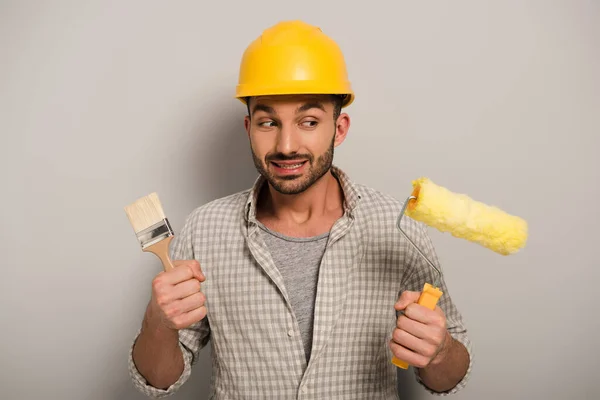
(145,212)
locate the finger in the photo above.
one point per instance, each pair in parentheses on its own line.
(184,270)
(196,270)
(406,298)
(413,343)
(185,320)
(176,309)
(423,314)
(192,302)
(185,289)
(415,328)
(407,355)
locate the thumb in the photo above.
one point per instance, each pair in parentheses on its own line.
(200,276)
(197,271)
(406,298)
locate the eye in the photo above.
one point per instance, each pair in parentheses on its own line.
(309,123)
(267,124)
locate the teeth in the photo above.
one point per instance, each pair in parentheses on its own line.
(289,166)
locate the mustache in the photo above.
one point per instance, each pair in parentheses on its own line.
(288,157)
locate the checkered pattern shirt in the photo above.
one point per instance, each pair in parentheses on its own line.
(257,350)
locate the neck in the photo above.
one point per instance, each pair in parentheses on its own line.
(323,197)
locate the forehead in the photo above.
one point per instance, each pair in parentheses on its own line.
(291,101)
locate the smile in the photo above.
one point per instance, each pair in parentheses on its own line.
(289,168)
(288,165)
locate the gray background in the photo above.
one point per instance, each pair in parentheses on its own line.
(103,102)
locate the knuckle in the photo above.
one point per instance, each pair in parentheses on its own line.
(397,351)
(397,335)
(178,322)
(157,283)
(180,264)
(162,301)
(402,321)
(439,332)
(439,320)
(421,361)
(439,336)
(190,268)
(429,351)
(171,312)
(201,298)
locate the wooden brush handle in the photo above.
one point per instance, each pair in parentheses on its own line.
(429,298)
(161,250)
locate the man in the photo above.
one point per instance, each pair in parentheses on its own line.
(302,284)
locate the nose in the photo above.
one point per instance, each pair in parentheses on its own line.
(287,139)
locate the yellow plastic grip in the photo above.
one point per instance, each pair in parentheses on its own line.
(429,298)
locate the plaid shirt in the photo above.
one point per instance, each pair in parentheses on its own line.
(257,350)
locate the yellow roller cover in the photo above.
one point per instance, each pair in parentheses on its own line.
(466,218)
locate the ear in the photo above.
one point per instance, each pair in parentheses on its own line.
(342,126)
(247,124)
(247,120)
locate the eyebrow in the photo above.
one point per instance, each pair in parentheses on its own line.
(308,106)
(262,107)
(302,108)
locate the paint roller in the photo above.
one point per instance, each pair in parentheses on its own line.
(463,218)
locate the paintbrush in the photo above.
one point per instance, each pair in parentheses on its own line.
(151,227)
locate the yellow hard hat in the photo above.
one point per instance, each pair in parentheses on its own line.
(293,57)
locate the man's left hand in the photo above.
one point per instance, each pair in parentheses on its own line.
(420,337)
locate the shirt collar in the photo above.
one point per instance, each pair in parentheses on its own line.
(350,190)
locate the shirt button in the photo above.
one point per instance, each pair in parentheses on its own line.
(290,333)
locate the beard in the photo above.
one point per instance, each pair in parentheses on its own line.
(295,184)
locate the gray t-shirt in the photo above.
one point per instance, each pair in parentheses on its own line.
(298,261)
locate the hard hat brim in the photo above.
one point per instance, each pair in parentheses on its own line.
(301,87)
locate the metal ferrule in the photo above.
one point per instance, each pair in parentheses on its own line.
(155,233)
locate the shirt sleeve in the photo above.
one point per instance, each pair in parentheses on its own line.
(191,339)
(420,272)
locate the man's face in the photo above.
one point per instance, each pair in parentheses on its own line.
(292,139)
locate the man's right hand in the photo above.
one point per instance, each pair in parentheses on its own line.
(177,301)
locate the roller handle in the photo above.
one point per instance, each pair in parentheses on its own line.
(429,298)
